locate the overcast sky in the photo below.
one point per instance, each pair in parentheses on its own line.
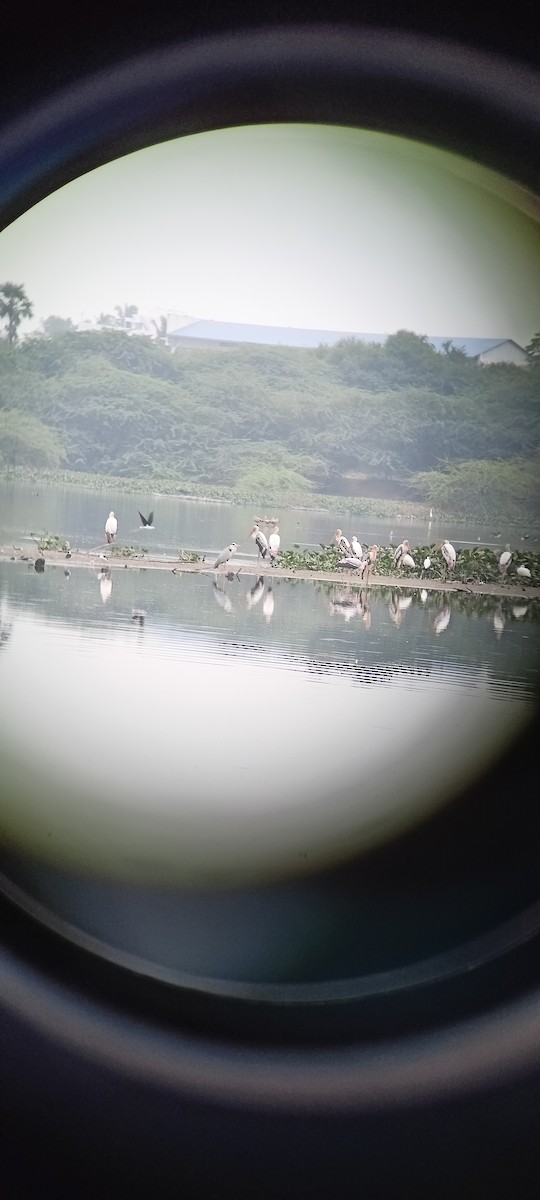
(299,225)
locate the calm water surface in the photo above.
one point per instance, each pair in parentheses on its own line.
(27,511)
(233,734)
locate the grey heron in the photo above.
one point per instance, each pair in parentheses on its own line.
(225,555)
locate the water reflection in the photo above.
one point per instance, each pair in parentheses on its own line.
(339,660)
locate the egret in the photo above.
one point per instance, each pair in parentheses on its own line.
(111,527)
(524,572)
(147,522)
(342,542)
(449,554)
(368,561)
(274,543)
(505,559)
(261,542)
(225,555)
(268,605)
(427,563)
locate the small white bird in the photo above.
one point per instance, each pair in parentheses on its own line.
(342,542)
(274,542)
(449,554)
(225,555)
(524,572)
(427,563)
(505,559)
(111,527)
(268,604)
(261,542)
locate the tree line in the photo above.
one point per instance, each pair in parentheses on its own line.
(293,421)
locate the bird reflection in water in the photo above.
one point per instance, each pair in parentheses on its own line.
(105,584)
(254,594)
(498,623)
(221,597)
(519,611)
(398,607)
(442,620)
(268,604)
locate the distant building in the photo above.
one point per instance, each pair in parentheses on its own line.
(226,335)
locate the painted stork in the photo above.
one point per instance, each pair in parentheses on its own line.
(505,559)
(402,556)
(356,547)
(342,542)
(368,561)
(449,554)
(225,555)
(261,542)
(111,527)
(274,543)
(524,572)
(350,564)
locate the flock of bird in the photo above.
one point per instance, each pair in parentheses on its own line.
(356,557)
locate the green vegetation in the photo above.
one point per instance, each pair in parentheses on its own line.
(278,424)
(478,565)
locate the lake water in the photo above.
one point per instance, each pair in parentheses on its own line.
(236,734)
(28,511)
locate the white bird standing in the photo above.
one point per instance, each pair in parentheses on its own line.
(524,572)
(261,542)
(225,555)
(505,559)
(449,554)
(342,542)
(427,563)
(274,542)
(111,527)
(356,547)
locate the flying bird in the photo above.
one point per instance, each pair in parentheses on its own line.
(111,527)
(225,555)
(147,522)
(261,542)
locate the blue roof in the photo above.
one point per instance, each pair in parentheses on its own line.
(286,335)
(269,335)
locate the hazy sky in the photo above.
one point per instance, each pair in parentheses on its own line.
(311,226)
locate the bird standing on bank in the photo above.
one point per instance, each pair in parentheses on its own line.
(524,572)
(273,544)
(449,554)
(342,542)
(505,559)
(356,547)
(402,556)
(225,555)
(368,561)
(261,542)
(111,527)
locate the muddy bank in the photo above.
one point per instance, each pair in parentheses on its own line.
(96,561)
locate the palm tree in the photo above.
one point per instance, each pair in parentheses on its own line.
(126,314)
(15,305)
(161,328)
